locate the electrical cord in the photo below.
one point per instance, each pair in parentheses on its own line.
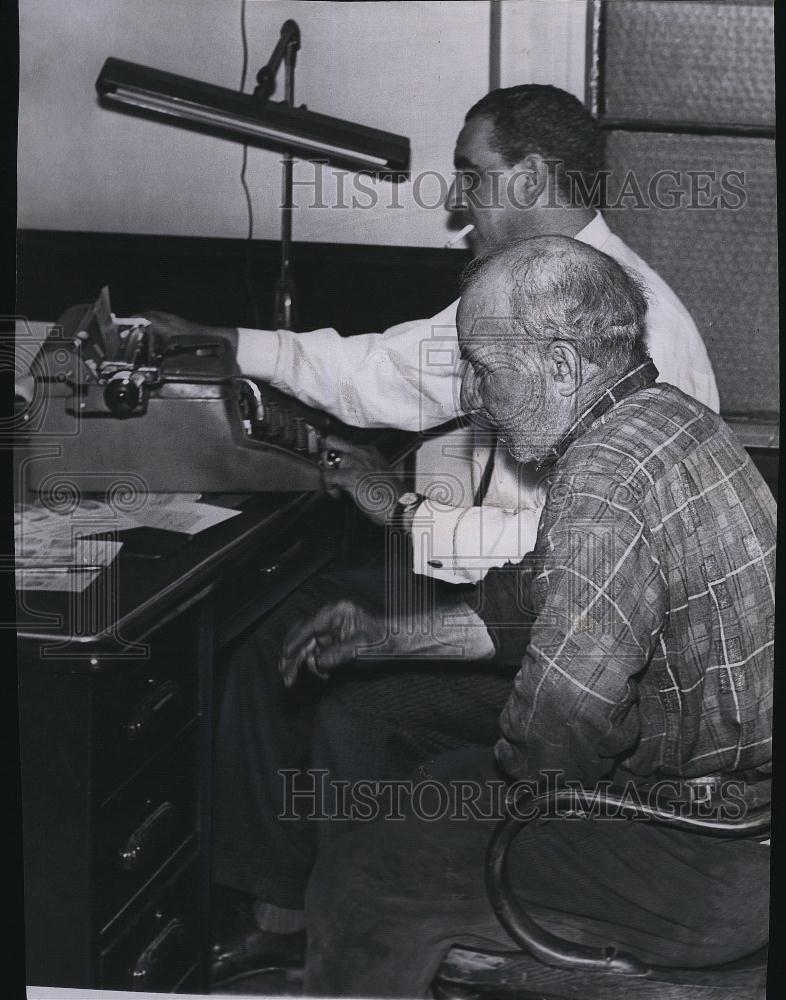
(244,166)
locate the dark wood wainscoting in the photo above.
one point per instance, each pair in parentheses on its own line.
(230,282)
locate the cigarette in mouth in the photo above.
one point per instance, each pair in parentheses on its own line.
(460,235)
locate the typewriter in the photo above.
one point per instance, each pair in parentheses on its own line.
(115,405)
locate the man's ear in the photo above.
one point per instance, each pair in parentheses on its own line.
(531,178)
(532,173)
(565,367)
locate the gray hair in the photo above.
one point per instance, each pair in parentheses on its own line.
(562,289)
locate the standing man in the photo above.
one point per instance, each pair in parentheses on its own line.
(650,658)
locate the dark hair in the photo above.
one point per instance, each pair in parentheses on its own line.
(539,118)
(562,289)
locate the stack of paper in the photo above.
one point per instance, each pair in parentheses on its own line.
(52,551)
(51,554)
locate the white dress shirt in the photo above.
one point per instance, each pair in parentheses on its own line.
(409,377)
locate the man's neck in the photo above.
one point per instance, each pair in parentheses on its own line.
(593,397)
(593,388)
(543,220)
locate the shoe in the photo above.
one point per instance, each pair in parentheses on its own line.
(240,946)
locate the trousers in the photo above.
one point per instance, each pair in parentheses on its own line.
(370,721)
(387,901)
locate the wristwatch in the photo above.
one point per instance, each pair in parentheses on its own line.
(408,501)
(406,505)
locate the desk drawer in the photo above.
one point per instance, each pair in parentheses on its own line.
(140,707)
(161,945)
(273,573)
(144,825)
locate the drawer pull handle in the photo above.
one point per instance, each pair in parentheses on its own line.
(149,712)
(153,829)
(160,951)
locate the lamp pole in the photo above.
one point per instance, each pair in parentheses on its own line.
(286,50)
(284,298)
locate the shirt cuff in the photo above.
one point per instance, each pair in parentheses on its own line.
(462,544)
(257,353)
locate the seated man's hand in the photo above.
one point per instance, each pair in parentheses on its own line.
(335,635)
(362,472)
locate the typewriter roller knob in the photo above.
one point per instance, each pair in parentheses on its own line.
(124,394)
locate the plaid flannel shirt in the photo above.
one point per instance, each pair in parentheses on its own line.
(650,595)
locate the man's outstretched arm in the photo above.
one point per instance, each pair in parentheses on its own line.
(405,377)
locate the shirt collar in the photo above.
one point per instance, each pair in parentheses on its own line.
(596,233)
(637,378)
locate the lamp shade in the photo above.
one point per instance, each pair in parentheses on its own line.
(204,107)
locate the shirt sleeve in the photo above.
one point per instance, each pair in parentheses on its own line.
(406,377)
(679,352)
(601,601)
(462,544)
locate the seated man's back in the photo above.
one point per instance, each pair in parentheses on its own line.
(662,534)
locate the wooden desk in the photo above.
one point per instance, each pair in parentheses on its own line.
(115,722)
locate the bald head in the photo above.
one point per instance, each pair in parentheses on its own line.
(556,287)
(546,324)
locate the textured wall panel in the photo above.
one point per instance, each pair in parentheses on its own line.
(721,261)
(687,61)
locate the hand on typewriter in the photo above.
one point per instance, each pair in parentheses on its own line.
(170,329)
(336,634)
(364,473)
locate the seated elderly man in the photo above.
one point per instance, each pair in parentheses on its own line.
(650,657)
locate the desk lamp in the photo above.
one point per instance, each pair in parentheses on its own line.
(258,121)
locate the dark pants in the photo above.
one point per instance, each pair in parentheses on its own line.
(386,902)
(370,721)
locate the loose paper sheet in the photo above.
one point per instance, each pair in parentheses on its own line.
(52,552)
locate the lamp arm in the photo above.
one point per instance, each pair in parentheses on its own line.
(287,46)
